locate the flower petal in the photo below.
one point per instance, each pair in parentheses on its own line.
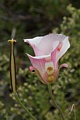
(48,43)
(44,45)
(37,51)
(38,63)
(53,57)
(34,41)
(64,65)
(63,49)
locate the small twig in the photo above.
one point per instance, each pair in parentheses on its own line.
(73,110)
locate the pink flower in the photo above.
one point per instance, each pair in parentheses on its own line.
(48,50)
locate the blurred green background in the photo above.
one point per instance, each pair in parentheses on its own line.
(30,18)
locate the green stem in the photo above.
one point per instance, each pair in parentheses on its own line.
(56,105)
(74,114)
(27,111)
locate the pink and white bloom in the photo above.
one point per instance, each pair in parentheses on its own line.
(48,50)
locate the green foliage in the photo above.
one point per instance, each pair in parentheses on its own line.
(30,19)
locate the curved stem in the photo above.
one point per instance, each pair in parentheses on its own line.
(56,105)
(73,110)
(27,111)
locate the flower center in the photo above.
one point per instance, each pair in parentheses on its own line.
(50,70)
(49,67)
